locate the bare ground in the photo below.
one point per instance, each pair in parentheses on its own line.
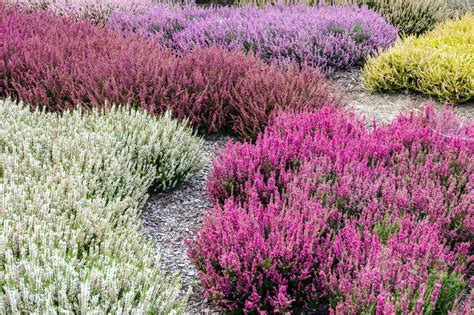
(171,218)
(385,107)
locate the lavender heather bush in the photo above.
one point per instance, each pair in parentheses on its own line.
(321,212)
(330,38)
(59,63)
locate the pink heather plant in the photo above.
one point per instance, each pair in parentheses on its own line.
(95,10)
(59,63)
(330,38)
(393,206)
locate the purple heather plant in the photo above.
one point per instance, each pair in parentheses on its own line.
(330,38)
(373,221)
(59,63)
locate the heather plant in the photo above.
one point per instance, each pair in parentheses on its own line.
(439,63)
(59,63)
(411,17)
(72,186)
(97,11)
(329,38)
(323,212)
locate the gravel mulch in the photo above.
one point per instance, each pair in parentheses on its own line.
(384,106)
(172,217)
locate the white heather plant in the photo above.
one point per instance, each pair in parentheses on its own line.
(72,186)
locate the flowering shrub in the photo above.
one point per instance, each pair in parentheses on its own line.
(322,212)
(97,11)
(409,16)
(330,38)
(72,186)
(438,63)
(412,17)
(59,63)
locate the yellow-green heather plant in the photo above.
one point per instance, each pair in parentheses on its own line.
(72,186)
(439,63)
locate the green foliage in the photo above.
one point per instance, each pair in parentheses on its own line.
(72,188)
(439,63)
(412,17)
(385,228)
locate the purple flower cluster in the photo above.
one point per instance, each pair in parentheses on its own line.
(330,38)
(59,63)
(322,212)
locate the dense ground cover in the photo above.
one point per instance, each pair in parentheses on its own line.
(409,16)
(317,212)
(329,38)
(439,63)
(60,63)
(321,212)
(97,11)
(72,186)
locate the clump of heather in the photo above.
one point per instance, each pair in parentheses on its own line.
(376,221)
(97,11)
(329,38)
(72,188)
(60,63)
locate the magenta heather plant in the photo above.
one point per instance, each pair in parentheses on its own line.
(330,38)
(59,63)
(393,206)
(411,272)
(262,257)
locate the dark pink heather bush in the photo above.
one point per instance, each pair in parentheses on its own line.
(59,63)
(321,212)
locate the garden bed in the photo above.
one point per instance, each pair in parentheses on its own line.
(173,217)
(278,183)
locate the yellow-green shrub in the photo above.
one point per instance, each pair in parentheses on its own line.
(439,63)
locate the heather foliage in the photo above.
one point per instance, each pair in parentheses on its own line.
(411,17)
(59,63)
(321,211)
(72,186)
(330,38)
(439,63)
(97,11)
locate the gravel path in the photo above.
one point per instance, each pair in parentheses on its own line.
(172,217)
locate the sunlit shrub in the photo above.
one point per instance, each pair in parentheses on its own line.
(72,186)
(321,212)
(330,38)
(60,63)
(409,16)
(412,17)
(439,63)
(97,11)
